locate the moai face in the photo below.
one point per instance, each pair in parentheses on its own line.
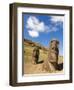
(35,54)
(54,46)
(54,51)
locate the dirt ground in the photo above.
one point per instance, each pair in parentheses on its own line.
(32,68)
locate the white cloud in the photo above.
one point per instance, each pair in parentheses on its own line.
(33,33)
(57,18)
(34,24)
(56,23)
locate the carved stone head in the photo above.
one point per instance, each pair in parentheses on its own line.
(53,51)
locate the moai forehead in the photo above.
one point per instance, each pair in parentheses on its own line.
(54,41)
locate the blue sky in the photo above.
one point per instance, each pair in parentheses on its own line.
(44,28)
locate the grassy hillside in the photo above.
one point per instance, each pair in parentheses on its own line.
(29,67)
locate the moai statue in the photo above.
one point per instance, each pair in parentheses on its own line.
(51,64)
(53,54)
(35,55)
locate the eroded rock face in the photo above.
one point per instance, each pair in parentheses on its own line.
(51,63)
